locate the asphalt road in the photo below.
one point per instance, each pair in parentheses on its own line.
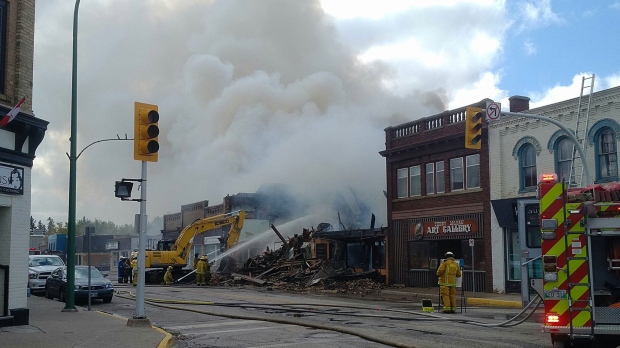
(256,317)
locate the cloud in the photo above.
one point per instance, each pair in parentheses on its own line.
(560,93)
(537,14)
(529,48)
(615,5)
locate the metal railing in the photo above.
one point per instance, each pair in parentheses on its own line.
(424,278)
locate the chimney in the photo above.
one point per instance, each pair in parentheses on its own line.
(519,103)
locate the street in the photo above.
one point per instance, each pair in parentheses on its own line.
(258,317)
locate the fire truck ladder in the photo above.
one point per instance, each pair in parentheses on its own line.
(572,283)
(581,132)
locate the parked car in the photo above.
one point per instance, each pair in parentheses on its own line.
(39,269)
(100,286)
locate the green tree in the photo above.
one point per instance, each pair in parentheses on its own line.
(51,226)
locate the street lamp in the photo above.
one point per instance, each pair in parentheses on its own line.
(70,294)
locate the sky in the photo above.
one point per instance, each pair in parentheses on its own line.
(252,93)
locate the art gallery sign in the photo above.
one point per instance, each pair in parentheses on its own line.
(449,227)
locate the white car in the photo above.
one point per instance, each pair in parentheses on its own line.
(39,268)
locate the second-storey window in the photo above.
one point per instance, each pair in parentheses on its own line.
(401,182)
(456,174)
(439,177)
(415,181)
(527,160)
(607,156)
(430,178)
(564,158)
(473,171)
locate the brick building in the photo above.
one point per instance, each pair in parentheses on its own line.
(19,140)
(437,201)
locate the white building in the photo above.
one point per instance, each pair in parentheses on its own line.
(19,140)
(521,148)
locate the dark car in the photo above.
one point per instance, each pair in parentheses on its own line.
(100,287)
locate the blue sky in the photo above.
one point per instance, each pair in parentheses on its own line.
(294,92)
(577,38)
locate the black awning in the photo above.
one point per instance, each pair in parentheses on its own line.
(506,212)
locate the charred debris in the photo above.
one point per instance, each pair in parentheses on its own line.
(346,261)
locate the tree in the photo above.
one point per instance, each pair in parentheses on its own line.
(50,226)
(32,226)
(40,226)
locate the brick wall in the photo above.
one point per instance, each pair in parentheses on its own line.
(19,54)
(428,140)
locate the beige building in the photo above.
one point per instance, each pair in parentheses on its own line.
(520,149)
(19,140)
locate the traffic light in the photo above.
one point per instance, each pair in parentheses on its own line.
(473,128)
(122,189)
(145,132)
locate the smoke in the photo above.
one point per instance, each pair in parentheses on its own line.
(250,93)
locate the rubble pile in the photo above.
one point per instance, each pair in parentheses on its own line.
(287,269)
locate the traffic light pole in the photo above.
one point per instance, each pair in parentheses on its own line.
(139,316)
(569,134)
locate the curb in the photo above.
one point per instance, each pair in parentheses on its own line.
(483,302)
(167,341)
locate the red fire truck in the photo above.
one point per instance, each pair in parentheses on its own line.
(580,244)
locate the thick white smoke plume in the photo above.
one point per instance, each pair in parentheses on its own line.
(249,92)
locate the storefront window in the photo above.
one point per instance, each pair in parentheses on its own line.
(418,255)
(479,259)
(513,256)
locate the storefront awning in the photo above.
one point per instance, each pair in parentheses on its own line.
(506,212)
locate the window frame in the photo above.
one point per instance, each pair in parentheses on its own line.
(440,177)
(399,181)
(599,153)
(454,168)
(430,178)
(418,181)
(523,152)
(566,144)
(467,171)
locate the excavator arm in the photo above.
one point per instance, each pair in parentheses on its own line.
(185,241)
(179,251)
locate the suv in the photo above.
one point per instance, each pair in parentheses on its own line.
(39,268)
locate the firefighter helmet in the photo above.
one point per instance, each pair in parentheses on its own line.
(449,254)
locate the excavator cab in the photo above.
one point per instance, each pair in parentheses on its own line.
(165,244)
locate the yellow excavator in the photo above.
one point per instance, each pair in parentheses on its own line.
(175,253)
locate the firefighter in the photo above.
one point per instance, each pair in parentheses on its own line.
(134,266)
(196,259)
(168,276)
(127,271)
(447,273)
(201,271)
(121,270)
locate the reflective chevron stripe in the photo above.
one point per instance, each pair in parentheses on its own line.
(557,293)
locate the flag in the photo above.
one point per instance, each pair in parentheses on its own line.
(11,115)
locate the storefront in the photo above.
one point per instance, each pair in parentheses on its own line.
(427,239)
(506,212)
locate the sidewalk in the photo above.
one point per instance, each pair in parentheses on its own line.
(50,327)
